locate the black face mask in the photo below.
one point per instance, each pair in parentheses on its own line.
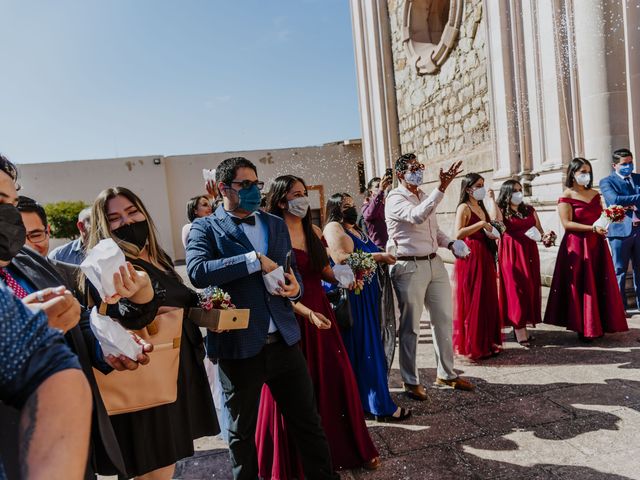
(12,232)
(135,233)
(350,215)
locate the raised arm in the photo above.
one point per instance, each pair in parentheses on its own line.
(374,208)
(399,209)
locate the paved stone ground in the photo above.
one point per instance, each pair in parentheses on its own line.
(561,410)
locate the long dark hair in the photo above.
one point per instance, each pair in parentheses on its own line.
(504,200)
(467,182)
(575,165)
(277,195)
(333,211)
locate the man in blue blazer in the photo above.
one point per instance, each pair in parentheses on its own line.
(622,187)
(232,249)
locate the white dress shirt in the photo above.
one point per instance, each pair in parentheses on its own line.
(412,224)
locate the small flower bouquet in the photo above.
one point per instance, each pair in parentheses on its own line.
(216,312)
(363,266)
(549,238)
(612,214)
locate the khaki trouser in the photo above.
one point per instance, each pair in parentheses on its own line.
(418,283)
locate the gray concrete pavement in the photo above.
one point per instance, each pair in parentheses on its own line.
(561,410)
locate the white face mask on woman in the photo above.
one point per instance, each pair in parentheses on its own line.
(298,206)
(583,179)
(479,193)
(517,198)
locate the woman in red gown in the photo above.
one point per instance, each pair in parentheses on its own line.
(334,382)
(518,262)
(584,293)
(476,319)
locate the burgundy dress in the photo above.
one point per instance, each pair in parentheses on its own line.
(584,293)
(476,320)
(336,392)
(519,271)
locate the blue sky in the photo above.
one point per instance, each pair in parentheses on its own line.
(84,79)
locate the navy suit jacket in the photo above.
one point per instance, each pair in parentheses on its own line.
(616,191)
(216,256)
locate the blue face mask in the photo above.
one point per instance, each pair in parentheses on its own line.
(626,170)
(249,199)
(414,178)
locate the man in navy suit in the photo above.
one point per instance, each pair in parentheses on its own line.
(232,249)
(622,187)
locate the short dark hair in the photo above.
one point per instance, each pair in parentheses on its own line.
(29,205)
(226,171)
(403,162)
(621,153)
(9,168)
(575,165)
(192,206)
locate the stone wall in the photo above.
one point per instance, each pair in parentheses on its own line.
(445,116)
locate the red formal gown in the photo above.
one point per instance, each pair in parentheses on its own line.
(336,393)
(584,293)
(519,272)
(476,320)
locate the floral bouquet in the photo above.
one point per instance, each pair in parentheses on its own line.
(215,297)
(216,311)
(363,266)
(612,214)
(549,238)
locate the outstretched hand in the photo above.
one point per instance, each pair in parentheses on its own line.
(447,177)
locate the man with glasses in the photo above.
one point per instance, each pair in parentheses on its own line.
(419,277)
(35,221)
(233,248)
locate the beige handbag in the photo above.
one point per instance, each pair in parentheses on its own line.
(149,385)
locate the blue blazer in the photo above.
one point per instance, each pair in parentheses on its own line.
(216,256)
(616,191)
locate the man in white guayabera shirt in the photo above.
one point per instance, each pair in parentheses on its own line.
(419,277)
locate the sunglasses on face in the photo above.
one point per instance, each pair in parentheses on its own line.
(247,184)
(37,236)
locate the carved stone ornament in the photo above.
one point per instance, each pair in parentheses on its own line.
(430,29)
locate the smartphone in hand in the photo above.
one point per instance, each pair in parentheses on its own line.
(287,265)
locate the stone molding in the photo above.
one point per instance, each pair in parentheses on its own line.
(429,57)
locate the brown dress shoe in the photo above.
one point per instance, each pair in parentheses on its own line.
(417,392)
(457,383)
(372,464)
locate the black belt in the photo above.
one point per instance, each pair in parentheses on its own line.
(431,256)
(274,337)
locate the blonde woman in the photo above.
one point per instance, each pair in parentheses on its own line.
(152,440)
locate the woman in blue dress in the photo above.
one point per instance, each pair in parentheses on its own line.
(362,341)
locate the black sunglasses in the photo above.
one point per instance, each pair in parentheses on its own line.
(247,184)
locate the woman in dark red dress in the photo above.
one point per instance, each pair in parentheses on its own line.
(518,262)
(584,294)
(476,319)
(334,382)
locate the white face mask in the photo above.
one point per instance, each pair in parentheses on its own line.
(583,179)
(517,198)
(414,178)
(479,193)
(298,206)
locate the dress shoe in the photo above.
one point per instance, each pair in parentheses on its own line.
(417,392)
(372,464)
(457,383)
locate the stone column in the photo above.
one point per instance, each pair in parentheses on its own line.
(600,62)
(632,40)
(376,89)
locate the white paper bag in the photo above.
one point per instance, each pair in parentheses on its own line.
(344,275)
(209,175)
(272,279)
(602,222)
(114,339)
(534,234)
(460,249)
(101,263)
(494,234)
